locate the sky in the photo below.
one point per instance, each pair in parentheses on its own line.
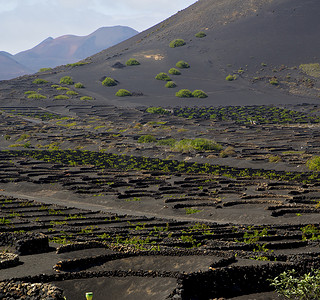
(26,23)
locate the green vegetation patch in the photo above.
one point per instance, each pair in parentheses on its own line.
(77,64)
(274,81)
(40,81)
(182,64)
(314,163)
(61,97)
(72,93)
(190,211)
(167,142)
(45,69)
(170,84)
(108,81)
(199,144)
(132,62)
(291,285)
(86,98)
(163,76)
(200,34)
(199,94)
(62,88)
(177,43)
(157,110)
(36,96)
(184,93)
(79,85)
(147,139)
(29,92)
(66,80)
(174,71)
(231,77)
(123,93)
(311,69)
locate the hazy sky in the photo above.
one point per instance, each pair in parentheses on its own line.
(25,23)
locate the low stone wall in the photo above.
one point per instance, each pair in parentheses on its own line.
(25,243)
(80,246)
(8,260)
(34,291)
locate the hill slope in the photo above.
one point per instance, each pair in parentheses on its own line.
(261,43)
(10,67)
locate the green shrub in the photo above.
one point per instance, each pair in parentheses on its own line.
(177,43)
(108,81)
(132,62)
(147,139)
(182,64)
(23,137)
(200,34)
(86,98)
(77,64)
(29,92)
(39,81)
(190,211)
(123,93)
(36,96)
(199,94)
(79,85)
(170,84)
(45,69)
(72,93)
(27,145)
(62,88)
(55,86)
(231,77)
(167,142)
(66,80)
(184,93)
(183,146)
(292,286)
(174,71)
(274,81)
(163,76)
(157,110)
(201,144)
(314,163)
(61,97)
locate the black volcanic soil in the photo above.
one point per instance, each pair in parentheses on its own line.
(148,221)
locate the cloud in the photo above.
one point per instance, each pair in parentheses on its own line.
(28,22)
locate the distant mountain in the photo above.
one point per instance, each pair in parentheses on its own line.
(63,50)
(10,68)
